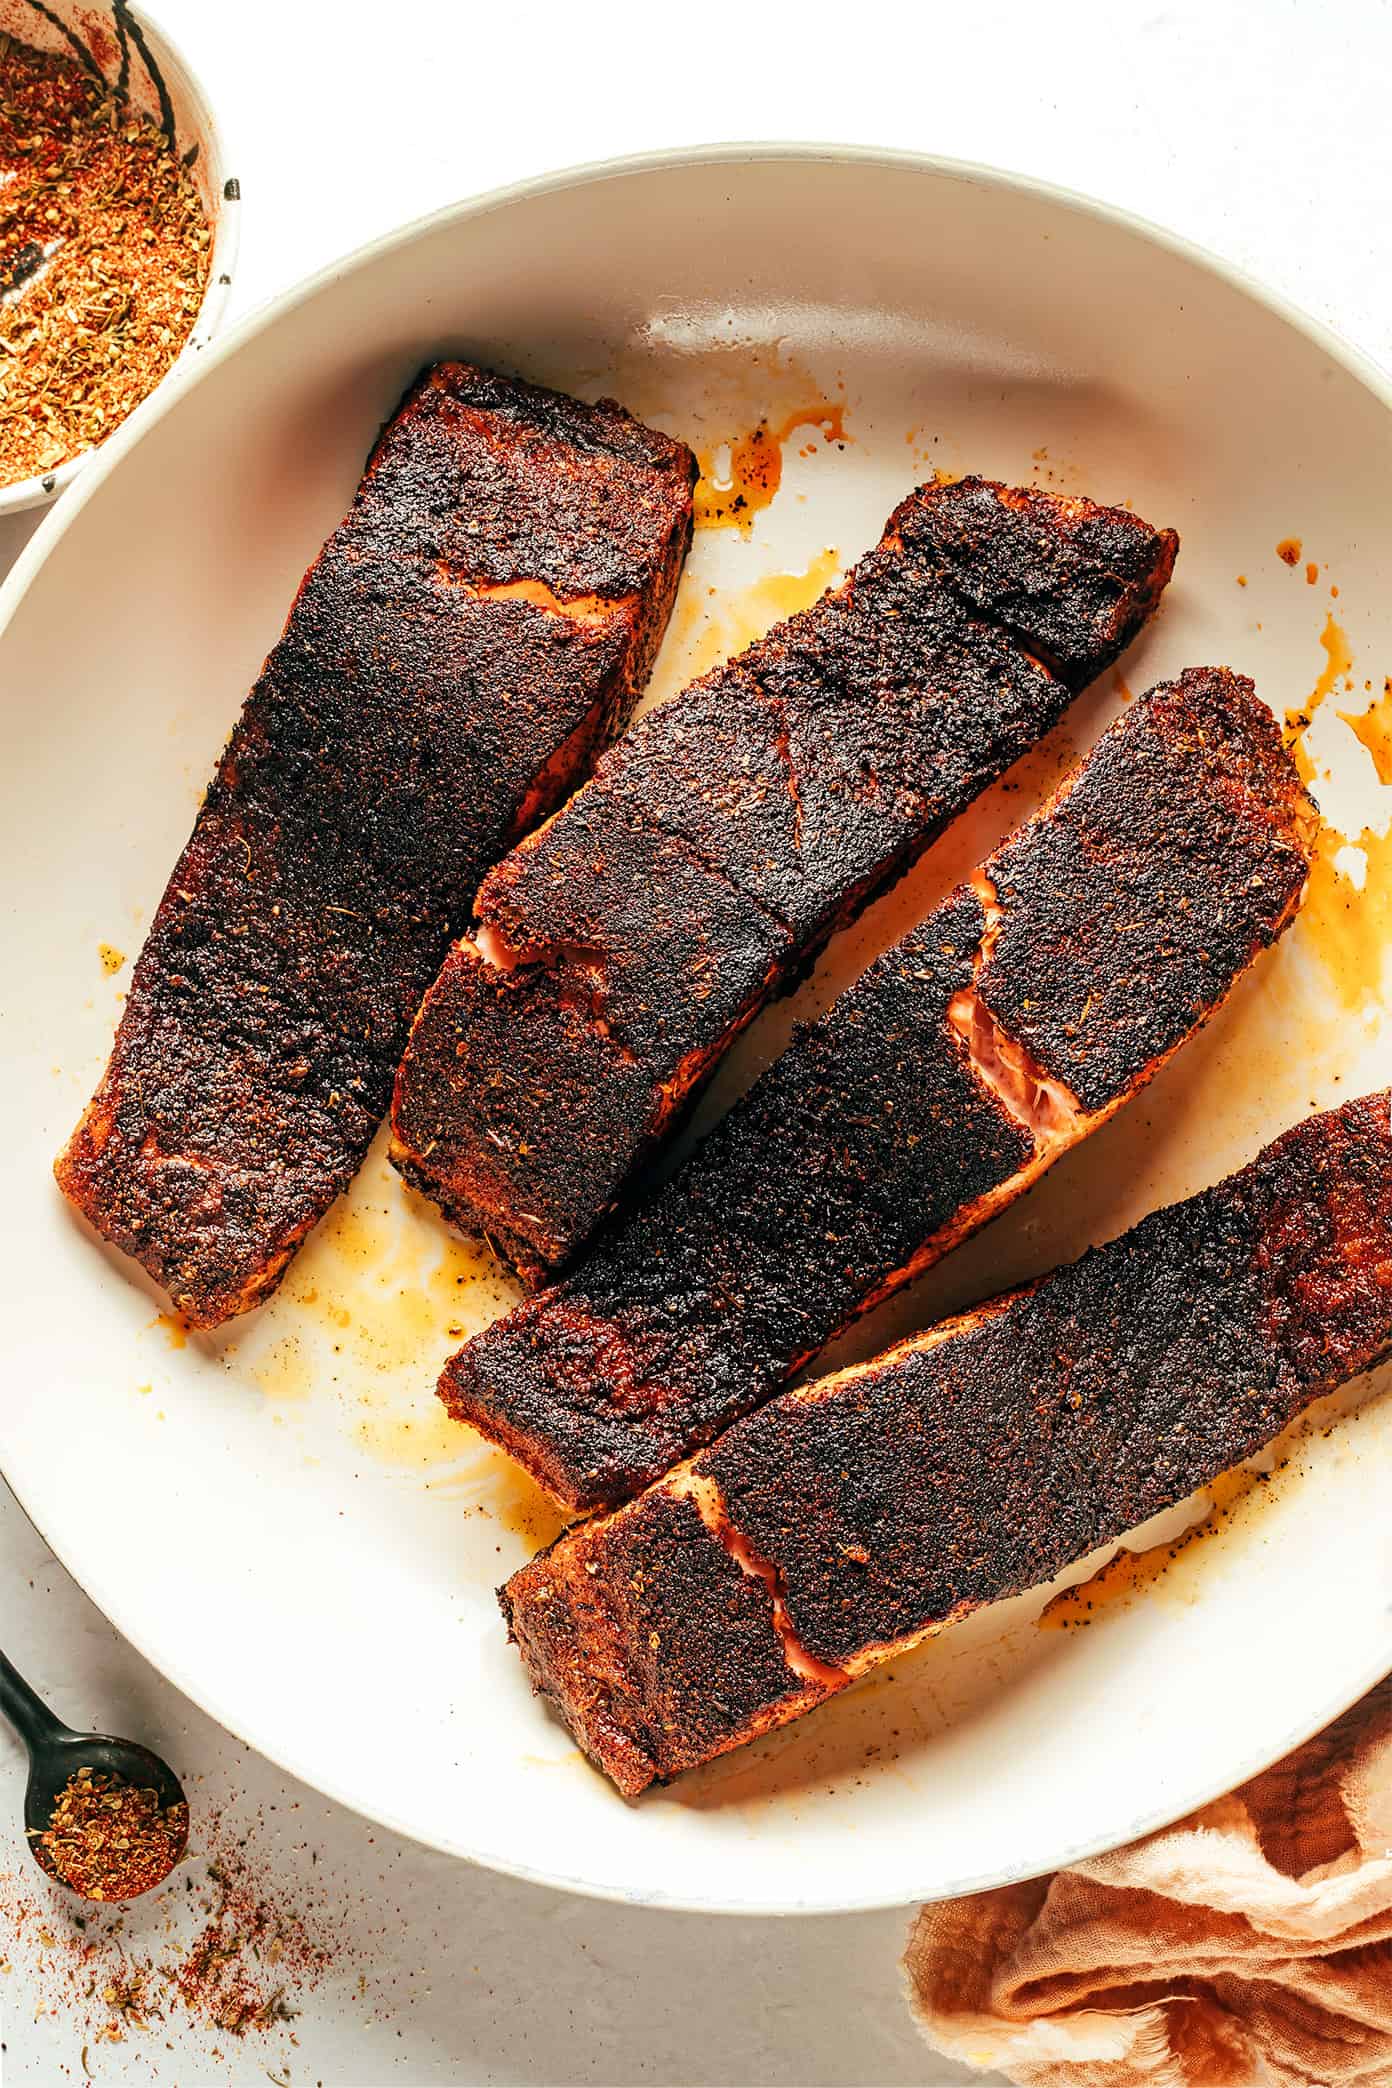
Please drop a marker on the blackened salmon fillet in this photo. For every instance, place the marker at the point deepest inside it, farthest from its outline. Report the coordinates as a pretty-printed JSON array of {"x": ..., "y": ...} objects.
[
  {"x": 476, "y": 628},
  {"x": 1020, "y": 1015},
  {"x": 848, "y": 1520},
  {"x": 619, "y": 951}
]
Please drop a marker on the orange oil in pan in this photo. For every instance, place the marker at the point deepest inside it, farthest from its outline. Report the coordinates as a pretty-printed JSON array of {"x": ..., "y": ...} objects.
[
  {"x": 1373, "y": 729},
  {"x": 1348, "y": 927},
  {"x": 1338, "y": 667},
  {"x": 741, "y": 475},
  {"x": 1346, "y": 919},
  {"x": 1131, "y": 1573}
]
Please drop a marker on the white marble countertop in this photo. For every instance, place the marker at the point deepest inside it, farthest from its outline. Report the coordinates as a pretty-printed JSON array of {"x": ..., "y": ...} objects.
[{"x": 1259, "y": 131}]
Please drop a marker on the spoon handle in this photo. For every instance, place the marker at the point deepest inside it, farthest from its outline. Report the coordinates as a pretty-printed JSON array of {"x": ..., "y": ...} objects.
[{"x": 27, "y": 1713}]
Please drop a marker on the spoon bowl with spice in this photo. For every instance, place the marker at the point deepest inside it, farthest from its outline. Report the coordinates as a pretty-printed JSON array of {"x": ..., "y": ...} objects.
[
  {"x": 118, "y": 235},
  {"x": 105, "y": 1817}
]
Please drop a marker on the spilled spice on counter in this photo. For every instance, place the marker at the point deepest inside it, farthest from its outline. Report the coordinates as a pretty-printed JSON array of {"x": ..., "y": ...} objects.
[
  {"x": 104, "y": 255},
  {"x": 109, "y": 1840},
  {"x": 219, "y": 1953},
  {"x": 238, "y": 1973}
]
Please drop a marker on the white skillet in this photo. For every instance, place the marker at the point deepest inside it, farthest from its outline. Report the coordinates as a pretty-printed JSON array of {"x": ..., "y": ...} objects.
[{"x": 277, "y": 1519}]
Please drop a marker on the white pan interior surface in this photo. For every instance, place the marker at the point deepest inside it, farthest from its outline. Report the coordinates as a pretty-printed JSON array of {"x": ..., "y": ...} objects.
[{"x": 280, "y": 1518}]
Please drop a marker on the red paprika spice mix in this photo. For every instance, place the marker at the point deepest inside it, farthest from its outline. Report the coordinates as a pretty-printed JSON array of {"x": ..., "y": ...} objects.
[
  {"x": 110, "y": 1840},
  {"x": 104, "y": 257}
]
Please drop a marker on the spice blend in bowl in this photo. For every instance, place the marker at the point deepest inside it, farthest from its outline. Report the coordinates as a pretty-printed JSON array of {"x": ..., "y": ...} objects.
[
  {"x": 104, "y": 256},
  {"x": 110, "y": 1840}
]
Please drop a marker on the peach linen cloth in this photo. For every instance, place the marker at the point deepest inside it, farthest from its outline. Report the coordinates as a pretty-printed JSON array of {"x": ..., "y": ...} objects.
[{"x": 1249, "y": 1944}]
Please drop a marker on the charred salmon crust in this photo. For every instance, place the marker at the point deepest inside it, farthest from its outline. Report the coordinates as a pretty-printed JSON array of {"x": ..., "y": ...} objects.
[
  {"x": 479, "y": 624},
  {"x": 619, "y": 951},
  {"x": 846, "y": 1521},
  {"x": 1017, "y": 1017}
]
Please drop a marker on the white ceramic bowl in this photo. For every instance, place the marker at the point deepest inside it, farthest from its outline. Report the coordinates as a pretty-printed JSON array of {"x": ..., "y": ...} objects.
[
  {"x": 126, "y": 46},
  {"x": 279, "y": 1517}
]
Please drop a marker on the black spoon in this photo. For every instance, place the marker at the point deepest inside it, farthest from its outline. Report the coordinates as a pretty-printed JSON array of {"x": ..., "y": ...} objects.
[{"x": 56, "y": 1754}]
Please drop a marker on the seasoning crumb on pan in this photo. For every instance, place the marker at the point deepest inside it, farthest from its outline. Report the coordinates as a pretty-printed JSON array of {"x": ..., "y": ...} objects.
[
  {"x": 104, "y": 256},
  {"x": 110, "y": 1840}
]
